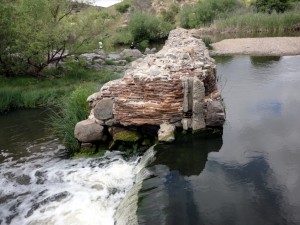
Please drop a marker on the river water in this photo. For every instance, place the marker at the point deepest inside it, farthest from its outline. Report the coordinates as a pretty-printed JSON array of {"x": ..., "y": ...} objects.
[{"x": 250, "y": 175}]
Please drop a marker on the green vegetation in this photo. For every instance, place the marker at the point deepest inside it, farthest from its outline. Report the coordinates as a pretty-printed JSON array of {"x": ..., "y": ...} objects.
[
  {"x": 30, "y": 92},
  {"x": 170, "y": 14},
  {"x": 205, "y": 12},
  {"x": 73, "y": 110},
  {"x": 123, "y": 7},
  {"x": 259, "y": 22},
  {"x": 272, "y": 5},
  {"x": 242, "y": 16},
  {"x": 144, "y": 26},
  {"x": 35, "y": 34}
]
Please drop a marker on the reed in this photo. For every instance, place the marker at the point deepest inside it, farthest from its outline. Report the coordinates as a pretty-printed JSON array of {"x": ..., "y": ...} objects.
[
  {"x": 73, "y": 109},
  {"x": 259, "y": 22}
]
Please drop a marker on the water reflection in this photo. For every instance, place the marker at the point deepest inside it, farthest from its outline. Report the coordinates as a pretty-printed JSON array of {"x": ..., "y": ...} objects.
[
  {"x": 263, "y": 61},
  {"x": 169, "y": 184},
  {"x": 254, "y": 178}
]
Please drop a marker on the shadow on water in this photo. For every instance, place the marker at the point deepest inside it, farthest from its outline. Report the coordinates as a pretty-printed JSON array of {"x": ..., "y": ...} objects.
[{"x": 169, "y": 185}]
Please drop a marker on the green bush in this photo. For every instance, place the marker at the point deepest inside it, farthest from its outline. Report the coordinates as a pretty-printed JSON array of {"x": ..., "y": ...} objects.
[
  {"x": 272, "y": 5},
  {"x": 148, "y": 27},
  {"x": 169, "y": 15},
  {"x": 204, "y": 12},
  {"x": 187, "y": 17},
  {"x": 122, "y": 7}
]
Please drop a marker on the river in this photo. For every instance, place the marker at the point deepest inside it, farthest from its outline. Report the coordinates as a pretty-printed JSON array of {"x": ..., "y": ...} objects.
[{"x": 250, "y": 175}]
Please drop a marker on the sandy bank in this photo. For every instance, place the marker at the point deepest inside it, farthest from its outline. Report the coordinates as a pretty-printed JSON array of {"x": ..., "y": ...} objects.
[{"x": 269, "y": 46}]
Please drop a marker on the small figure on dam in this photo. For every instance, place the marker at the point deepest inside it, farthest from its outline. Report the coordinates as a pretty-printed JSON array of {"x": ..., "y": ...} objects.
[{"x": 132, "y": 46}]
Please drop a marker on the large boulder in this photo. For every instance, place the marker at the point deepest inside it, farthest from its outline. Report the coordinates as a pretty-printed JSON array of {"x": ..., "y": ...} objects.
[
  {"x": 104, "y": 109},
  {"x": 88, "y": 131}
]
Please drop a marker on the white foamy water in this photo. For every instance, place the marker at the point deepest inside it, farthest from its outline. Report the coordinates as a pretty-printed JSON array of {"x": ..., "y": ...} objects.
[{"x": 45, "y": 189}]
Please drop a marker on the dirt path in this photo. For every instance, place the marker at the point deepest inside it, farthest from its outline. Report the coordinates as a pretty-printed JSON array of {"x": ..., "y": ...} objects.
[{"x": 270, "y": 46}]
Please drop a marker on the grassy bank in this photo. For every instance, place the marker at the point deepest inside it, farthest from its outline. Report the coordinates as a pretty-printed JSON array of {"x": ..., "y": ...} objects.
[
  {"x": 30, "y": 92},
  {"x": 259, "y": 22},
  {"x": 73, "y": 109},
  {"x": 66, "y": 92}
]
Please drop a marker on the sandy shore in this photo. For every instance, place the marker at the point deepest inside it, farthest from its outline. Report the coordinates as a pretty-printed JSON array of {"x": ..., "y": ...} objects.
[{"x": 270, "y": 46}]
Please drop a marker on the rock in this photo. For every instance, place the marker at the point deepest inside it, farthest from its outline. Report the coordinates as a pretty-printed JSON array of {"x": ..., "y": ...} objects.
[
  {"x": 88, "y": 131},
  {"x": 113, "y": 56},
  {"x": 215, "y": 116},
  {"x": 186, "y": 123},
  {"x": 150, "y": 51},
  {"x": 122, "y": 134},
  {"x": 166, "y": 133},
  {"x": 147, "y": 51},
  {"x": 121, "y": 62},
  {"x": 91, "y": 57},
  {"x": 104, "y": 109},
  {"x": 132, "y": 53},
  {"x": 111, "y": 122},
  {"x": 198, "y": 119}
]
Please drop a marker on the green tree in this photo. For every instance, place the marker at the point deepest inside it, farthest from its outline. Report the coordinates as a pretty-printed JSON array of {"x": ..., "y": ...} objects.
[
  {"x": 272, "y": 5},
  {"x": 44, "y": 32},
  {"x": 147, "y": 27}
]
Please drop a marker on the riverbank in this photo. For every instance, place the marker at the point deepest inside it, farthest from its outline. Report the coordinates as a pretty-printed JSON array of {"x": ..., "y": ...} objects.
[{"x": 268, "y": 46}]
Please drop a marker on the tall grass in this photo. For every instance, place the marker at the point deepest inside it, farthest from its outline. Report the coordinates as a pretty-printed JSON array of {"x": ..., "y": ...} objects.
[
  {"x": 29, "y": 92},
  {"x": 73, "y": 109},
  {"x": 259, "y": 22}
]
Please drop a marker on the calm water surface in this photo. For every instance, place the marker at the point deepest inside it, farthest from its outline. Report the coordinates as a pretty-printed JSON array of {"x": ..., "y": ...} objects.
[{"x": 249, "y": 176}]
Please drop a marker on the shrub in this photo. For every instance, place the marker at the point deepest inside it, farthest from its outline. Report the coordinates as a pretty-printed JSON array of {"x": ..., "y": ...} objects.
[
  {"x": 272, "y": 5},
  {"x": 169, "y": 15},
  {"x": 122, "y": 7},
  {"x": 148, "y": 27},
  {"x": 205, "y": 12}
]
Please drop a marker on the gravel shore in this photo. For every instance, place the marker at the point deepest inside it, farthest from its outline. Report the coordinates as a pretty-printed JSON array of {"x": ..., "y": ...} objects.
[{"x": 269, "y": 46}]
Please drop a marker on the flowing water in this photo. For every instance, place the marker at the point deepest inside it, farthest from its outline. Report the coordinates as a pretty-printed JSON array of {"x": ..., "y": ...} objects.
[
  {"x": 250, "y": 175},
  {"x": 39, "y": 186}
]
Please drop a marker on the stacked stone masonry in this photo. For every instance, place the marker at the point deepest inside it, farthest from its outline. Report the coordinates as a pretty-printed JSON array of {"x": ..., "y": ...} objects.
[{"x": 175, "y": 86}]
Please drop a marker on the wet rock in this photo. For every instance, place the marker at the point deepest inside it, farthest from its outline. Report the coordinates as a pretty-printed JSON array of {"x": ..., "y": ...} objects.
[
  {"x": 166, "y": 133},
  {"x": 104, "y": 109},
  {"x": 215, "y": 116},
  {"x": 88, "y": 131},
  {"x": 198, "y": 119},
  {"x": 122, "y": 134},
  {"x": 186, "y": 123}
]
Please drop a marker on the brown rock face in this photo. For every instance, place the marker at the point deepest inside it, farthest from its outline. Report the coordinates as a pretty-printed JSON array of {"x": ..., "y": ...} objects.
[{"x": 174, "y": 85}]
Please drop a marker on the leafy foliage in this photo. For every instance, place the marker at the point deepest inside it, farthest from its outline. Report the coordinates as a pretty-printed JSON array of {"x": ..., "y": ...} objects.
[
  {"x": 122, "y": 7},
  {"x": 43, "y": 32},
  {"x": 204, "y": 12},
  {"x": 272, "y": 5},
  {"x": 148, "y": 27},
  {"x": 169, "y": 15}
]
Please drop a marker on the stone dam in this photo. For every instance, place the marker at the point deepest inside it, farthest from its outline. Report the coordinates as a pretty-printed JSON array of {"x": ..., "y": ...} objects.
[{"x": 172, "y": 90}]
